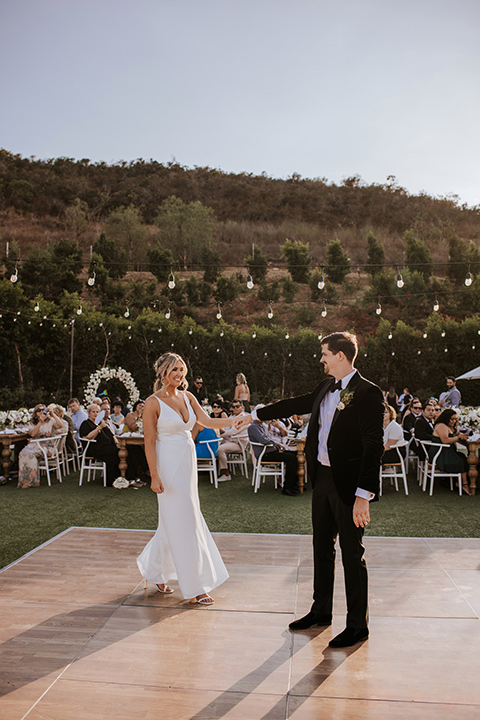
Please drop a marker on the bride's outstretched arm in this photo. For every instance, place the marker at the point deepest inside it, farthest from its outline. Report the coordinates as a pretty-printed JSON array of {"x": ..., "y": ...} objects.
[
  {"x": 150, "y": 417},
  {"x": 205, "y": 419}
]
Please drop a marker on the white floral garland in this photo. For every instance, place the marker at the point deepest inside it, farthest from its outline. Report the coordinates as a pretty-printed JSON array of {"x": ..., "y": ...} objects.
[{"x": 107, "y": 373}]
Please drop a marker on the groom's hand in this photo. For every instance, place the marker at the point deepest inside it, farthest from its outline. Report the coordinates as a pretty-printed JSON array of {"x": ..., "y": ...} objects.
[
  {"x": 242, "y": 421},
  {"x": 361, "y": 512}
]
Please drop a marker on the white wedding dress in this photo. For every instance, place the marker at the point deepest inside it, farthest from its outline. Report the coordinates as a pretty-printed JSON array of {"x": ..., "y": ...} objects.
[{"x": 182, "y": 548}]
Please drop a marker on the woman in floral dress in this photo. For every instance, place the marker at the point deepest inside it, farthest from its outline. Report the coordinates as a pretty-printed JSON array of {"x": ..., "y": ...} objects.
[{"x": 43, "y": 424}]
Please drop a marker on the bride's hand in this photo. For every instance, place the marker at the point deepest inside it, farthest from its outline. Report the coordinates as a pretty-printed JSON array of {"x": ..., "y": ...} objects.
[
  {"x": 157, "y": 485},
  {"x": 242, "y": 421}
]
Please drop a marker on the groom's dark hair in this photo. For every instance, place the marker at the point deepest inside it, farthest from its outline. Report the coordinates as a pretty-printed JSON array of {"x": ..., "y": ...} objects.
[{"x": 344, "y": 341}]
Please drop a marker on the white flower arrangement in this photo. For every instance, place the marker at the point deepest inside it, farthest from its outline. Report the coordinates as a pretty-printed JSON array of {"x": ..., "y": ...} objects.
[
  {"x": 107, "y": 373},
  {"x": 469, "y": 417},
  {"x": 10, "y": 419}
]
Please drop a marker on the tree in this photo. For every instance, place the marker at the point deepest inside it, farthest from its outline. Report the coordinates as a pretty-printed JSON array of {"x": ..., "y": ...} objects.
[
  {"x": 125, "y": 227},
  {"x": 338, "y": 262},
  {"x": 186, "y": 228},
  {"x": 417, "y": 254},
  {"x": 76, "y": 217},
  {"x": 269, "y": 293},
  {"x": 289, "y": 289},
  {"x": 376, "y": 254},
  {"x": 257, "y": 264},
  {"x": 298, "y": 259},
  {"x": 160, "y": 262},
  {"x": 227, "y": 289},
  {"x": 211, "y": 263},
  {"x": 53, "y": 269},
  {"x": 114, "y": 258}
]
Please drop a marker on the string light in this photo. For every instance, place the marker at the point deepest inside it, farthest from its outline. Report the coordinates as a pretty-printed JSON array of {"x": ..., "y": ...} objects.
[
  {"x": 37, "y": 306},
  {"x": 91, "y": 279},
  {"x": 126, "y": 313},
  {"x": 265, "y": 354},
  {"x": 400, "y": 282},
  {"x": 160, "y": 329},
  {"x": 320, "y": 336},
  {"x": 419, "y": 352},
  {"x": 390, "y": 336},
  {"x": 287, "y": 335},
  {"x": 219, "y": 312},
  {"x": 270, "y": 312},
  {"x": 425, "y": 335},
  {"x": 321, "y": 282},
  {"x": 443, "y": 333},
  {"x": 168, "y": 314},
  {"x": 254, "y": 335},
  {"x": 468, "y": 278},
  {"x": 222, "y": 334},
  {"x": 171, "y": 280},
  {"x": 14, "y": 275},
  {"x": 249, "y": 281},
  {"x": 79, "y": 310},
  {"x": 379, "y": 308},
  {"x": 436, "y": 306},
  {"x": 324, "y": 310},
  {"x": 190, "y": 332}
]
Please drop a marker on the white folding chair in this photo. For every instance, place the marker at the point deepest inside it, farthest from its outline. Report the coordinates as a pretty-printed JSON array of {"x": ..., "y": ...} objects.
[
  {"x": 395, "y": 470},
  {"x": 51, "y": 453},
  {"x": 71, "y": 457},
  {"x": 263, "y": 467},
  {"x": 431, "y": 470},
  {"x": 91, "y": 464},
  {"x": 239, "y": 459},
  {"x": 209, "y": 464}
]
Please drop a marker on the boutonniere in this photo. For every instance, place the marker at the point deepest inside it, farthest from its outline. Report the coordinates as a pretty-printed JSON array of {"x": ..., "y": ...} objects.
[{"x": 346, "y": 397}]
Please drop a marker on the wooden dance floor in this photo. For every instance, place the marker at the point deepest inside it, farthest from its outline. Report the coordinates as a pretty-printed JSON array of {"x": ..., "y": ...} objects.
[{"x": 81, "y": 639}]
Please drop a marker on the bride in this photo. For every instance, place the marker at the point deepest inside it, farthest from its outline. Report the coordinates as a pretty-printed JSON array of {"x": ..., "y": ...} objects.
[{"x": 182, "y": 548}]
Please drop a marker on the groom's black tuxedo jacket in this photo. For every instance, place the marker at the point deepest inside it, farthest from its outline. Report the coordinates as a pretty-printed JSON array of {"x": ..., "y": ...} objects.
[{"x": 355, "y": 441}]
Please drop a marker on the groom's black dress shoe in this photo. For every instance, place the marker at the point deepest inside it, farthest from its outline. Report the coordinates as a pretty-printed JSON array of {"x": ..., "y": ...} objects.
[
  {"x": 309, "y": 621},
  {"x": 349, "y": 637}
]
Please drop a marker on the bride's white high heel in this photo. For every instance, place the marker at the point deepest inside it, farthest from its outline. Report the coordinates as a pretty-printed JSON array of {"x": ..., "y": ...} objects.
[{"x": 162, "y": 588}]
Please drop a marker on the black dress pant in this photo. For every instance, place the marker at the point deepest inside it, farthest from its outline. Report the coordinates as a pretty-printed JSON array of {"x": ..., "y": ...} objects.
[
  {"x": 291, "y": 464},
  {"x": 331, "y": 517},
  {"x": 109, "y": 455}
]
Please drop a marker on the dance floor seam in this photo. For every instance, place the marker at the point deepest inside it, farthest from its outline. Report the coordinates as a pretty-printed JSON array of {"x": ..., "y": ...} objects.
[{"x": 81, "y": 638}]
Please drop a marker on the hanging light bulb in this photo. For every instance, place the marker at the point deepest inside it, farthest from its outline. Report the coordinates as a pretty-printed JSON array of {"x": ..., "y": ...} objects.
[
  {"x": 254, "y": 335},
  {"x": 287, "y": 336},
  {"x": 314, "y": 355},
  {"x": 393, "y": 353},
  {"x": 290, "y": 354},
  {"x": 265, "y": 354},
  {"x": 400, "y": 282},
  {"x": 222, "y": 334},
  {"x": 100, "y": 324},
  {"x": 443, "y": 333},
  {"x": 468, "y": 278},
  {"x": 446, "y": 350},
  {"x": 126, "y": 313},
  {"x": 37, "y": 307},
  {"x": 390, "y": 336},
  {"x": 324, "y": 310},
  {"x": 436, "y": 306},
  {"x": 218, "y": 349},
  {"x": 159, "y": 329},
  {"x": 14, "y": 275},
  {"x": 219, "y": 312},
  {"x": 249, "y": 281},
  {"x": 270, "y": 312},
  {"x": 171, "y": 280},
  {"x": 168, "y": 314},
  {"x": 425, "y": 335},
  {"x": 419, "y": 352},
  {"x": 321, "y": 282},
  {"x": 320, "y": 336},
  {"x": 378, "y": 308},
  {"x": 79, "y": 310},
  {"x": 190, "y": 332},
  {"x": 91, "y": 279},
  {"x": 473, "y": 346}
]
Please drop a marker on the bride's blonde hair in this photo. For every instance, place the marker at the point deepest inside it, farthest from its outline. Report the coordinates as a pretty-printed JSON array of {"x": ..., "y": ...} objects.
[{"x": 162, "y": 367}]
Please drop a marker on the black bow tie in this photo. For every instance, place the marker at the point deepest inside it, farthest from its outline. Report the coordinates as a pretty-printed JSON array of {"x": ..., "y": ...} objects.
[{"x": 336, "y": 386}]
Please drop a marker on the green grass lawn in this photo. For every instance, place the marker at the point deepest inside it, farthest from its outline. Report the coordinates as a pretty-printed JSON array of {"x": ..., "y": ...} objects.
[{"x": 30, "y": 517}]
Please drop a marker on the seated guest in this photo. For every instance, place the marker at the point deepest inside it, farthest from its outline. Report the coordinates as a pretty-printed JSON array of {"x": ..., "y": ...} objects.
[
  {"x": 275, "y": 453},
  {"x": 117, "y": 416},
  {"x": 436, "y": 411},
  {"x": 410, "y": 418},
  {"x": 232, "y": 441},
  {"x": 43, "y": 424},
  {"x": 199, "y": 435},
  {"x": 78, "y": 415},
  {"x": 296, "y": 424},
  {"x": 67, "y": 426},
  {"x": 423, "y": 428},
  {"x": 133, "y": 421},
  {"x": 450, "y": 460},
  {"x": 105, "y": 446},
  {"x": 105, "y": 415},
  {"x": 392, "y": 434},
  {"x": 218, "y": 410},
  {"x": 277, "y": 431}
]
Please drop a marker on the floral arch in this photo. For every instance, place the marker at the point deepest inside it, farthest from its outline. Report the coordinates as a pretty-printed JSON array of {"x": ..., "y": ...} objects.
[{"x": 107, "y": 373}]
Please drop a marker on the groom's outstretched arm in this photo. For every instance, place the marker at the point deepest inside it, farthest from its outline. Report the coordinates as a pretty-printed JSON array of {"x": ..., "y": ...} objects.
[{"x": 300, "y": 405}]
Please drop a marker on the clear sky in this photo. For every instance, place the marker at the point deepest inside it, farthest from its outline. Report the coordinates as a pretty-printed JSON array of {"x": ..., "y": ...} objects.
[{"x": 323, "y": 88}]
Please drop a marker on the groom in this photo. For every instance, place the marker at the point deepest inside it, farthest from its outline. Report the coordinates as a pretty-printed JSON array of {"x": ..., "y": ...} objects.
[{"x": 344, "y": 448}]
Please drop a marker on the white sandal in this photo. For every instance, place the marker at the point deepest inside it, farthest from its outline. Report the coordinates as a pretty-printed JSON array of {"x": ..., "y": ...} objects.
[
  {"x": 166, "y": 589},
  {"x": 204, "y": 600}
]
